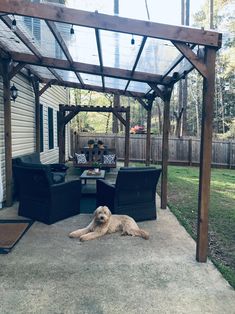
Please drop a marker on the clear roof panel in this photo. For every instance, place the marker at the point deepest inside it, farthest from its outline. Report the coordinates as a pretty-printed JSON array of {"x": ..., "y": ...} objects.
[
  {"x": 82, "y": 44},
  {"x": 115, "y": 83},
  {"x": 167, "y": 11},
  {"x": 184, "y": 64},
  {"x": 138, "y": 87},
  {"x": 117, "y": 49},
  {"x": 156, "y": 56},
  {"x": 42, "y": 72},
  {"x": 90, "y": 79},
  {"x": 68, "y": 76},
  {"x": 40, "y": 36},
  {"x": 10, "y": 41}
]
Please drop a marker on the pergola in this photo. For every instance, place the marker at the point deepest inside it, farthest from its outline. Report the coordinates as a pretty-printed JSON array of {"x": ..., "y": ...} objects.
[{"x": 116, "y": 55}]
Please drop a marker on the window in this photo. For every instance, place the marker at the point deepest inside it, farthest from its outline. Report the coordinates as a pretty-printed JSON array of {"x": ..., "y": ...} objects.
[
  {"x": 50, "y": 129},
  {"x": 41, "y": 129}
]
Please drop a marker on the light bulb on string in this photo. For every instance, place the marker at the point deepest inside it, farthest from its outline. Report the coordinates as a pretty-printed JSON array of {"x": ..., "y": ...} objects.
[
  {"x": 13, "y": 24},
  {"x": 72, "y": 35},
  {"x": 132, "y": 40}
]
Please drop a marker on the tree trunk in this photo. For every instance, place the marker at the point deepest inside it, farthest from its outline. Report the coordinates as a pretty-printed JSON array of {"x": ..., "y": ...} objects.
[
  {"x": 159, "y": 118},
  {"x": 116, "y": 103}
]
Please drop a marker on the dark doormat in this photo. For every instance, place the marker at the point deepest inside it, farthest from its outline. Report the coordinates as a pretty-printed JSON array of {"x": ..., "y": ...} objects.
[
  {"x": 88, "y": 203},
  {"x": 11, "y": 231}
]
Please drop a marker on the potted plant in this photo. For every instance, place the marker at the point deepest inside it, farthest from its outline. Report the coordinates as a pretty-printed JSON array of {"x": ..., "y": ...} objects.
[
  {"x": 96, "y": 165},
  {"x": 91, "y": 143}
]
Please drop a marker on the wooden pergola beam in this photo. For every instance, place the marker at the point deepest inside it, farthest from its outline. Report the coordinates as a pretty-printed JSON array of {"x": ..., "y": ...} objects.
[
  {"x": 63, "y": 119},
  {"x": 16, "y": 69},
  {"x": 192, "y": 58},
  {"x": 73, "y": 110},
  {"x": 91, "y": 108},
  {"x": 89, "y": 68},
  {"x": 111, "y": 23},
  {"x": 45, "y": 87},
  {"x": 95, "y": 88}
]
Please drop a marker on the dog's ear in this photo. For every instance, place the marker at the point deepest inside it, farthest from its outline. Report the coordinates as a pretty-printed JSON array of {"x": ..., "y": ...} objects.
[
  {"x": 107, "y": 210},
  {"x": 95, "y": 212}
]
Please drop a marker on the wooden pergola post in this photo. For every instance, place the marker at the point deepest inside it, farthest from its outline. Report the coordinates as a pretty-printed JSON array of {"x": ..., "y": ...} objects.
[
  {"x": 35, "y": 84},
  {"x": 148, "y": 135},
  {"x": 5, "y": 69},
  {"x": 127, "y": 138},
  {"x": 205, "y": 155},
  {"x": 61, "y": 134},
  {"x": 165, "y": 146}
]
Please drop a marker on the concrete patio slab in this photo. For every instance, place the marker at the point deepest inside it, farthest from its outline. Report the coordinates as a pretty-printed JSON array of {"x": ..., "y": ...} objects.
[{"x": 47, "y": 272}]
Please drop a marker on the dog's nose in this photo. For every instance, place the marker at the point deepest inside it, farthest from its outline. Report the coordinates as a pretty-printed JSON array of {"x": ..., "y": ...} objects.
[{"x": 101, "y": 217}]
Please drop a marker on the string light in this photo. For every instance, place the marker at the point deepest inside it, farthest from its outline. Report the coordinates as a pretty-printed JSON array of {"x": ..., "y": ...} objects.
[
  {"x": 13, "y": 24},
  {"x": 132, "y": 40},
  {"x": 72, "y": 30}
]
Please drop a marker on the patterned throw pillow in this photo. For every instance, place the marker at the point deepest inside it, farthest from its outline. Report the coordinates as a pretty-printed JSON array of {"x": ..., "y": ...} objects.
[
  {"x": 109, "y": 159},
  {"x": 81, "y": 158}
]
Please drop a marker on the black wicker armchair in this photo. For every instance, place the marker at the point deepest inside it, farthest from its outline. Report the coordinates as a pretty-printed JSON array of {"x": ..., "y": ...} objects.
[
  {"x": 58, "y": 169},
  {"x": 134, "y": 193},
  {"x": 40, "y": 199}
]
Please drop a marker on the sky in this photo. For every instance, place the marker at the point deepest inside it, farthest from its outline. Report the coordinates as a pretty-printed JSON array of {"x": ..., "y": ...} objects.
[{"x": 167, "y": 11}]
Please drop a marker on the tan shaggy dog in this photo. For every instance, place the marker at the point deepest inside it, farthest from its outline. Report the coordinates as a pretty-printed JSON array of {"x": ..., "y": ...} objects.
[{"x": 104, "y": 222}]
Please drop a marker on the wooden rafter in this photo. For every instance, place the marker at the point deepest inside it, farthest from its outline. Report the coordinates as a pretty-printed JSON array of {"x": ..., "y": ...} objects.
[
  {"x": 137, "y": 59},
  {"x": 56, "y": 75},
  {"x": 95, "y": 88},
  {"x": 111, "y": 23},
  {"x": 97, "y": 34},
  {"x": 22, "y": 37},
  {"x": 63, "y": 46}
]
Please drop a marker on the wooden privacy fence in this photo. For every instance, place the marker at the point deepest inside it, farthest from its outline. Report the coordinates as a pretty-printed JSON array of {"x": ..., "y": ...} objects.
[{"x": 185, "y": 151}]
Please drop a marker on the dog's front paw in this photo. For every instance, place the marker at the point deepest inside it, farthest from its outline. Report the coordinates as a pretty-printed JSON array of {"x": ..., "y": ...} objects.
[
  {"x": 83, "y": 238},
  {"x": 73, "y": 234}
]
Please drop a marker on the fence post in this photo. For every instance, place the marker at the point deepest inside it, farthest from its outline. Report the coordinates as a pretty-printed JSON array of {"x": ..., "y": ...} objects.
[
  {"x": 190, "y": 152},
  {"x": 230, "y": 154}
]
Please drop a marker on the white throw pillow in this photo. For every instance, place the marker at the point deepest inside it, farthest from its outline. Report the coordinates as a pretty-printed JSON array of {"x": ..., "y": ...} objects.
[
  {"x": 81, "y": 158},
  {"x": 109, "y": 159}
]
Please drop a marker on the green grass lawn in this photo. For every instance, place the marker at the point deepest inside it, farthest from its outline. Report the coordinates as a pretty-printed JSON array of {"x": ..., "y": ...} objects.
[{"x": 183, "y": 202}]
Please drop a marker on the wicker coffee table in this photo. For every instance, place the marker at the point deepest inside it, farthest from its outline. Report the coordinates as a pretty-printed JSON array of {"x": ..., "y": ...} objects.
[{"x": 91, "y": 175}]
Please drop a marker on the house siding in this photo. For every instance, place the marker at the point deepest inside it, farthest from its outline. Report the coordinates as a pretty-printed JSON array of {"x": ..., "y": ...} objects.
[
  {"x": 2, "y": 160},
  {"x": 51, "y": 99},
  {"x": 23, "y": 123}
]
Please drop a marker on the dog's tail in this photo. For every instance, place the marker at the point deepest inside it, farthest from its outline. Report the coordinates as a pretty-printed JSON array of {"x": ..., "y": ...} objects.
[{"x": 143, "y": 234}]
